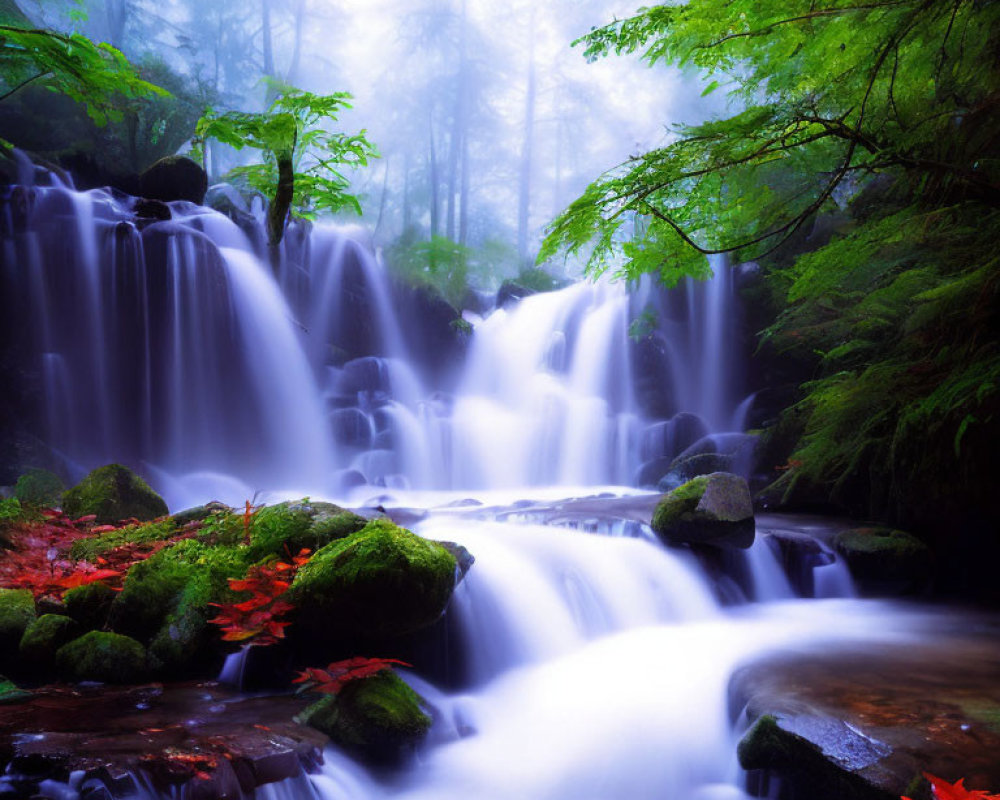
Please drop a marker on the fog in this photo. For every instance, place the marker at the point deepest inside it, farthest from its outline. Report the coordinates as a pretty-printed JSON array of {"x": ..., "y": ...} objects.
[{"x": 487, "y": 120}]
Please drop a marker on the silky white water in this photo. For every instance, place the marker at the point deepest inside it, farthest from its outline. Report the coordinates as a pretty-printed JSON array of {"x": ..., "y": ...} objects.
[{"x": 594, "y": 667}]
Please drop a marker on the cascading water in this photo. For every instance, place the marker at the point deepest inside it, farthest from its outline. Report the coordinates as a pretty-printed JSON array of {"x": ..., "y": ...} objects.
[
  {"x": 168, "y": 345},
  {"x": 593, "y": 667}
]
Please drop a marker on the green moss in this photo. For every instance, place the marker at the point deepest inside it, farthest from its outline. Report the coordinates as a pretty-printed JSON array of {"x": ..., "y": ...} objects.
[
  {"x": 380, "y": 581},
  {"x": 89, "y": 605},
  {"x": 113, "y": 493},
  {"x": 11, "y": 693},
  {"x": 286, "y": 528},
  {"x": 884, "y": 560},
  {"x": 682, "y": 500},
  {"x": 43, "y": 637},
  {"x": 39, "y": 487},
  {"x": 90, "y": 548},
  {"x": 377, "y": 715},
  {"x": 101, "y": 656},
  {"x": 17, "y": 612}
]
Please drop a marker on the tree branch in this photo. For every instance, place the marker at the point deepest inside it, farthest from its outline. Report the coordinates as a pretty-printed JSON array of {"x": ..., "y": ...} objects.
[{"x": 22, "y": 84}]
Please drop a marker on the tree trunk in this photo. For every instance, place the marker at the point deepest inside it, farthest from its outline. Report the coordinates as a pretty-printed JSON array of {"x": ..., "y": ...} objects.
[
  {"x": 435, "y": 200},
  {"x": 282, "y": 201},
  {"x": 458, "y": 127},
  {"x": 300, "y": 15},
  {"x": 268, "y": 53}
]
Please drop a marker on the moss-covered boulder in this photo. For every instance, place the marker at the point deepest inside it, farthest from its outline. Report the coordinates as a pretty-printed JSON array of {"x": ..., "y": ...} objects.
[
  {"x": 90, "y": 605},
  {"x": 380, "y": 582},
  {"x": 43, "y": 637},
  {"x": 39, "y": 487},
  {"x": 199, "y": 513},
  {"x": 11, "y": 693},
  {"x": 102, "y": 656},
  {"x": 885, "y": 561},
  {"x": 377, "y": 717},
  {"x": 113, "y": 493},
  {"x": 165, "y": 602},
  {"x": 17, "y": 612},
  {"x": 713, "y": 509}
]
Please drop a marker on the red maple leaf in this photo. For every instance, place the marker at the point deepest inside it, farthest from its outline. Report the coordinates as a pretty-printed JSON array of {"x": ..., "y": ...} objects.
[{"x": 943, "y": 790}]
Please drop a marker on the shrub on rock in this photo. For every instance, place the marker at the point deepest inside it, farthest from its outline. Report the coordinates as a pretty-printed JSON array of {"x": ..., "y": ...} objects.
[
  {"x": 113, "y": 493},
  {"x": 39, "y": 487}
]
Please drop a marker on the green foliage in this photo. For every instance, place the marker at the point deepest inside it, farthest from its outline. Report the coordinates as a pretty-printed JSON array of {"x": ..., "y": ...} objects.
[
  {"x": 439, "y": 264},
  {"x": 39, "y": 487},
  {"x": 90, "y": 548},
  {"x": 96, "y": 75},
  {"x": 906, "y": 344},
  {"x": 827, "y": 93},
  {"x": 291, "y": 136}
]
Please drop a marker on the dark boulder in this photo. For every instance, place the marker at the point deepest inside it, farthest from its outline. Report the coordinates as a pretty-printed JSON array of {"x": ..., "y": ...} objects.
[
  {"x": 113, "y": 493},
  {"x": 885, "y": 561},
  {"x": 174, "y": 178}
]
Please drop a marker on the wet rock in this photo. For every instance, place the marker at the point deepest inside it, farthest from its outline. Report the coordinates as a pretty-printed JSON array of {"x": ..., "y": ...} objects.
[
  {"x": 681, "y": 470},
  {"x": 712, "y": 509},
  {"x": 113, "y": 493},
  {"x": 152, "y": 209},
  {"x": 111, "y": 733},
  {"x": 351, "y": 428},
  {"x": 885, "y": 561},
  {"x": 11, "y": 693},
  {"x": 463, "y": 558},
  {"x": 377, "y": 717},
  {"x": 102, "y": 656},
  {"x": 174, "y": 178},
  {"x": 862, "y": 725}
]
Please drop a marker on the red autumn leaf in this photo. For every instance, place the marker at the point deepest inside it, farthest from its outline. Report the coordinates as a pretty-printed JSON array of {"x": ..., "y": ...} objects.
[
  {"x": 942, "y": 790},
  {"x": 338, "y": 673}
]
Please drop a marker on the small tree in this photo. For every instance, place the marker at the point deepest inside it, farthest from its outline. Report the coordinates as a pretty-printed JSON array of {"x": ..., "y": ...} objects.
[{"x": 301, "y": 168}]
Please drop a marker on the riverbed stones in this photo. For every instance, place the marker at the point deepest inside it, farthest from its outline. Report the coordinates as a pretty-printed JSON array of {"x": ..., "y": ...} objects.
[
  {"x": 113, "y": 493},
  {"x": 713, "y": 509}
]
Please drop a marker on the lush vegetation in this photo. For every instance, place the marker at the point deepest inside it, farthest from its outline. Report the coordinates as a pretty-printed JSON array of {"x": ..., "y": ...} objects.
[{"x": 859, "y": 167}]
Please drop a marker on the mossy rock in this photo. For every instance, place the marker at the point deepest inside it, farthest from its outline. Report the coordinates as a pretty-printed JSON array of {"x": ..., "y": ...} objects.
[
  {"x": 43, "y": 637},
  {"x": 11, "y": 693},
  {"x": 91, "y": 547},
  {"x": 713, "y": 509},
  {"x": 885, "y": 561},
  {"x": 377, "y": 717},
  {"x": 174, "y": 178},
  {"x": 286, "y": 528},
  {"x": 17, "y": 612},
  {"x": 165, "y": 601},
  {"x": 89, "y": 605},
  {"x": 113, "y": 493},
  {"x": 199, "y": 513},
  {"x": 102, "y": 656},
  {"x": 39, "y": 488},
  {"x": 380, "y": 582}
]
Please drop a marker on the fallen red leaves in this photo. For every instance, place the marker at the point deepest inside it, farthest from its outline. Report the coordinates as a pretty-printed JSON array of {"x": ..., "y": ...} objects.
[
  {"x": 39, "y": 559},
  {"x": 942, "y": 790},
  {"x": 332, "y": 679}
]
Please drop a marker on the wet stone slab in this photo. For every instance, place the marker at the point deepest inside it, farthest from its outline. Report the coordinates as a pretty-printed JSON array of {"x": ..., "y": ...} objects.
[
  {"x": 202, "y": 738},
  {"x": 863, "y": 724}
]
